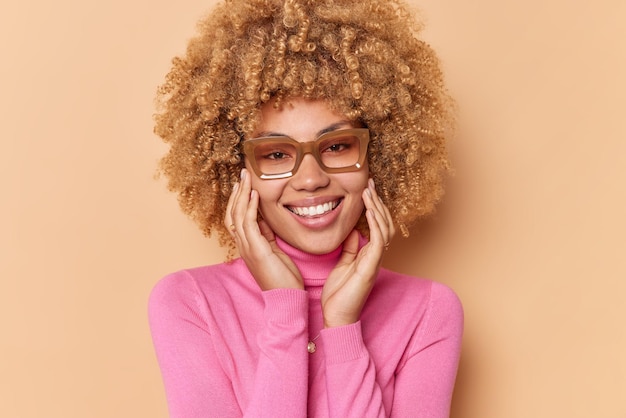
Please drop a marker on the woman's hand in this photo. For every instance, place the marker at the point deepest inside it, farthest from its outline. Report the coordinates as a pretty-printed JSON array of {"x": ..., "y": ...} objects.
[
  {"x": 350, "y": 282},
  {"x": 256, "y": 241}
]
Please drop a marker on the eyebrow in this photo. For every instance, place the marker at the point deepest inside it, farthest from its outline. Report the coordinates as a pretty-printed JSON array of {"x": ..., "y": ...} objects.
[{"x": 330, "y": 128}]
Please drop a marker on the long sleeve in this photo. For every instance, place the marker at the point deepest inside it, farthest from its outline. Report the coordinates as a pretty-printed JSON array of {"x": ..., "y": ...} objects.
[
  {"x": 424, "y": 379},
  {"x": 425, "y": 383},
  {"x": 195, "y": 382},
  {"x": 216, "y": 361},
  {"x": 280, "y": 384},
  {"x": 350, "y": 375}
]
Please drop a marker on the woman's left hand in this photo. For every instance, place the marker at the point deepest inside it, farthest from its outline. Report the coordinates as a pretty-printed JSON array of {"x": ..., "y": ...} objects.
[{"x": 350, "y": 282}]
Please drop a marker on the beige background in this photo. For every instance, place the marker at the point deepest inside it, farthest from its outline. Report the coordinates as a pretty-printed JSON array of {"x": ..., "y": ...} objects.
[{"x": 531, "y": 234}]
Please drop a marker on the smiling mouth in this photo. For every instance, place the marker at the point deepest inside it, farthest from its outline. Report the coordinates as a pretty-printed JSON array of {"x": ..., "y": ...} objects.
[{"x": 317, "y": 210}]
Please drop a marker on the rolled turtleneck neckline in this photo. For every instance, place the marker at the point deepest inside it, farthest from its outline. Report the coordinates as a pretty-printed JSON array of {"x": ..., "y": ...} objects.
[{"x": 314, "y": 268}]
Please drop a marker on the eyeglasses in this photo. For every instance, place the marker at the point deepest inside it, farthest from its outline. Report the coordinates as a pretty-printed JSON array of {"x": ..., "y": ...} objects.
[{"x": 277, "y": 157}]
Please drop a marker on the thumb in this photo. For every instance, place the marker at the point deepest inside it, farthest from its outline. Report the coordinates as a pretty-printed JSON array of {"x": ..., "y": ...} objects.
[
  {"x": 350, "y": 248},
  {"x": 267, "y": 232}
]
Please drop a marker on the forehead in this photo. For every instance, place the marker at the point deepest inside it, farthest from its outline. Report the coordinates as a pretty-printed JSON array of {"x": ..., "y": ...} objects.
[{"x": 301, "y": 119}]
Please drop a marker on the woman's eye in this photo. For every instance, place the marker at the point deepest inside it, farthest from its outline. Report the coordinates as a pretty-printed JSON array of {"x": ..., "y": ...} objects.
[
  {"x": 276, "y": 156},
  {"x": 336, "y": 148}
]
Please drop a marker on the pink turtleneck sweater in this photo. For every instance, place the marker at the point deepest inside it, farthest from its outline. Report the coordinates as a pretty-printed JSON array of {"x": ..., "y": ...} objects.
[{"x": 228, "y": 349}]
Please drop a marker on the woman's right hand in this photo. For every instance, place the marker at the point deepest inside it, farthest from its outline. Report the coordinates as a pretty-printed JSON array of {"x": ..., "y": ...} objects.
[{"x": 256, "y": 242}]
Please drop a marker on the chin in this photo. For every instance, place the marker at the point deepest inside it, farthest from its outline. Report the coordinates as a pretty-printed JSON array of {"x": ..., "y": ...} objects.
[{"x": 318, "y": 246}]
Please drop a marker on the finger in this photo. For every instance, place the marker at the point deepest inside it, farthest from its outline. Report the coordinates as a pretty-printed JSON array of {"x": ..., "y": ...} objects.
[
  {"x": 350, "y": 248},
  {"x": 365, "y": 263},
  {"x": 228, "y": 217},
  {"x": 377, "y": 202},
  {"x": 384, "y": 218},
  {"x": 241, "y": 203},
  {"x": 266, "y": 231},
  {"x": 378, "y": 238},
  {"x": 392, "y": 228},
  {"x": 376, "y": 218},
  {"x": 248, "y": 227},
  {"x": 383, "y": 215}
]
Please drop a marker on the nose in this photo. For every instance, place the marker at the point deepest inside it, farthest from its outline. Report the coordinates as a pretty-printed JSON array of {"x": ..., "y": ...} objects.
[{"x": 310, "y": 176}]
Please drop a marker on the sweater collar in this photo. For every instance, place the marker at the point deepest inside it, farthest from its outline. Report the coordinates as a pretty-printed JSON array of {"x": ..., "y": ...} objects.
[{"x": 314, "y": 268}]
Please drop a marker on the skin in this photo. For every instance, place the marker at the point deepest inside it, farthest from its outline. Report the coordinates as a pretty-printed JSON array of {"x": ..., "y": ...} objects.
[{"x": 350, "y": 282}]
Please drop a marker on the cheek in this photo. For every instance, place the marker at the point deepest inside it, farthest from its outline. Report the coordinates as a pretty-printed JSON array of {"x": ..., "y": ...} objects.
[
  {"x": 357, "y": 184},
  {"x": 269, "y": 191},
  {"x": 358, "y": 181}
]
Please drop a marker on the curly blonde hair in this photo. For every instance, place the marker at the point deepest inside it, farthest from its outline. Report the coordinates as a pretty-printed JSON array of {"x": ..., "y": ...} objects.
[{"x": 362, "y": 57}]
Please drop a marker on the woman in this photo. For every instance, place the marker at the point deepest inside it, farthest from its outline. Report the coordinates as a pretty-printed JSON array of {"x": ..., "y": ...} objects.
[{"x": 301, "y": 132}]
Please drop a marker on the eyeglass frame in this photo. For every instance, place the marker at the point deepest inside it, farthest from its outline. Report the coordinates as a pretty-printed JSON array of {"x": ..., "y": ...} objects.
[{"x": 309, "y": 147}]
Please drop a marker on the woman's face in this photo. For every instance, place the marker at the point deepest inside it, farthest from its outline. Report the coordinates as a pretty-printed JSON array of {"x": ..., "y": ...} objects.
[{"x": 336, "y": 196}]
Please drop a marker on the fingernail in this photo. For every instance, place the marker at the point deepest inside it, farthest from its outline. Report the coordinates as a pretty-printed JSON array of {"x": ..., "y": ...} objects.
[
  {"x": 243, "y": 173},
  {"x": 370, "y": 182},
  {"x": 369, "y": 192}
]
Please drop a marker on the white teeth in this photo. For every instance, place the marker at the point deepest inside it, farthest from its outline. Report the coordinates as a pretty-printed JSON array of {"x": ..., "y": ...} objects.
[{"x": 314, "y": 210}]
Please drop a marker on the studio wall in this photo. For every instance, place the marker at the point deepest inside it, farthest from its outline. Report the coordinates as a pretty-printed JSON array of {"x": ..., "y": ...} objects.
[{"x": 530, "y": 233}]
